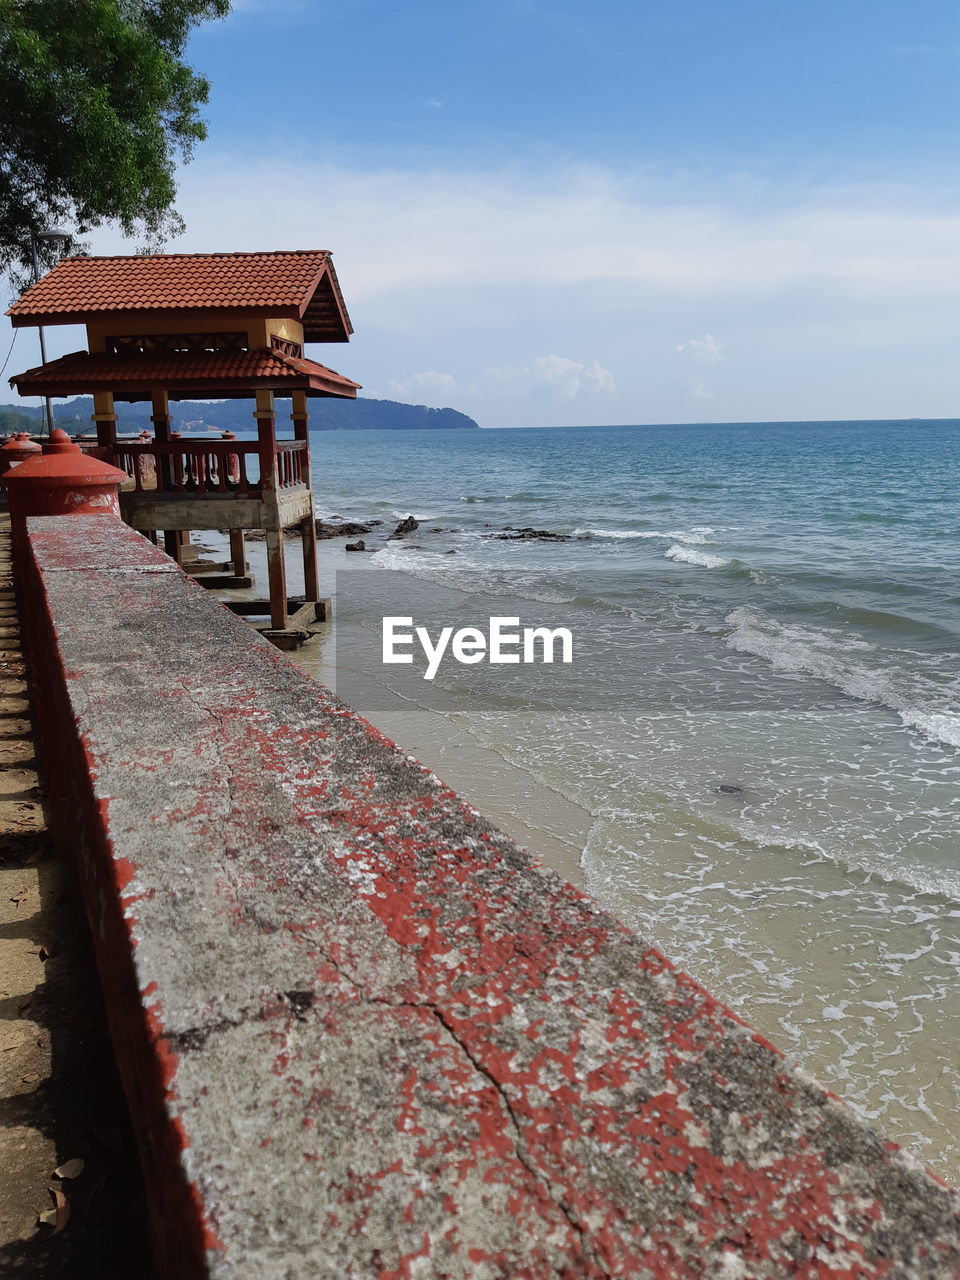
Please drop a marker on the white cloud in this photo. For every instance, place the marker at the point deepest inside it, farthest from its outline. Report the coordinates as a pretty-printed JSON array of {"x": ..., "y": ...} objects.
[
  {"x": 564, "y": 377},
  {"x": 706, "y": 349},
  {"x": 427, "y": 382},
  {"x": 434, "y": 102},
  {"x": 414, "y": 229},
  {"x": 700, "y": 392}
]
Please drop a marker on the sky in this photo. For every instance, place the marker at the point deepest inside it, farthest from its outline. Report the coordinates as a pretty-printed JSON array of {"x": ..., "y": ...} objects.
[{"x": 555, "y": 212}]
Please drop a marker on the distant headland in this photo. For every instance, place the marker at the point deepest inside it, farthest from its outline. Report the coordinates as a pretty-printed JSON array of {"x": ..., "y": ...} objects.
[{"x": 237, "y": 415}]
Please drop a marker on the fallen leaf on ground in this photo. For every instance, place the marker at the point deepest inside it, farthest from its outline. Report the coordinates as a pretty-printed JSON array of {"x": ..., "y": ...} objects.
[
  {"x": 29, "y": 1079},
  {"x": 69, "y": 1169},
  {"x": 20, "y": 896},
  {"x": 59, "y": 1216}
]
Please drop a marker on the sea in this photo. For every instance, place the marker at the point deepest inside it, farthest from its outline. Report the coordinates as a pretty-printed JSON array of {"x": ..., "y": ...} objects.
[{"x": 762, "y": 719}]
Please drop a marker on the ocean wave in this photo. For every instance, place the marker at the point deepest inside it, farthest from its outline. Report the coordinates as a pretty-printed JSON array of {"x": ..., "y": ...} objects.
[
  {"x": 421, "y": 517},
  {"x": 619, "y": 534},
  {"x": 842, "y": 662},
  {"x": 526, "y": 496},
  {"x": 469, "y": 577},
  {"x": 688, "y": 555},
  {"x": 697, "y": 536}
]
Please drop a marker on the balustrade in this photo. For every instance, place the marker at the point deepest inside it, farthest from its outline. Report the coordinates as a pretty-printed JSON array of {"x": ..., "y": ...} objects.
[{"x": 208, "y": 466}]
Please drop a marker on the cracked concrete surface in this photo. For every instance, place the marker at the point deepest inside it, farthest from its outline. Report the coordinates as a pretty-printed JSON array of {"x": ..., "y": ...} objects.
[{"x": 368, "y": 1036}]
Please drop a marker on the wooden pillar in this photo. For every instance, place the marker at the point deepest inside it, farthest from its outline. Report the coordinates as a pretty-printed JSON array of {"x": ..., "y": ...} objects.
[
  {"x": 300, "y": 415},
  {"x": 276, "y": 570},
  {"x": 161, "y": 416},
  {"x": 161, "y": 431},
  {"x": 308, "y": 530},
  {"x": 105, "y": 417},
  {"x": 267, "y": 437},
  {"x": 238, "y": 553}
]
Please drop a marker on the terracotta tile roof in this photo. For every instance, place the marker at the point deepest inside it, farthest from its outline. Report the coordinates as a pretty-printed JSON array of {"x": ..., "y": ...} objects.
[
  {"x": 218, "y": 374},
  {"x": 281, "y": 282}
]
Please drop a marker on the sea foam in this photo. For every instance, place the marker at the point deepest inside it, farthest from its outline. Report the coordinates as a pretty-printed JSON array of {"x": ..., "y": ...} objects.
[
  {"x": 689, "y": 555},
  {"x": 697, "y": 536},
  {"x": 843, "y": 661}
]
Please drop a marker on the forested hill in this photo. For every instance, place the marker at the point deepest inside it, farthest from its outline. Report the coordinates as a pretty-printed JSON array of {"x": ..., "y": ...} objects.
[{"x": 237, "y": 415}]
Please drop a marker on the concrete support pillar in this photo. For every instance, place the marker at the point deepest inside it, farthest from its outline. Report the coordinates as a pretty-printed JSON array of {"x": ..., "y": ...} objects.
[
  {"x": 238, "y": 554},
  {"x": 308, "y": 541},
  {"x": 265, "y": 415},
  {"x": 277, "y": 573},
  {"x": 161, "y": 430},
  {"x": 308, "y": 530}
]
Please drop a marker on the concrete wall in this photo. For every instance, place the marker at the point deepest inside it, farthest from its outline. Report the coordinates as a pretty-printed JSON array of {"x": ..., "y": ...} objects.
[{"x": 362, "y": 1034}]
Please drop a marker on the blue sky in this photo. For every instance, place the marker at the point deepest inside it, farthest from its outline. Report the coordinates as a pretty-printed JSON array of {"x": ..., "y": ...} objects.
[{"x": 551, "y": 212}]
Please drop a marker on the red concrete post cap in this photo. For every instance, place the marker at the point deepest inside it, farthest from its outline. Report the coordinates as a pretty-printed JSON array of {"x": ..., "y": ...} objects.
[
  {"x": 60, "y": 442},
  {"x": 66, "y": 468},
  {"x": 22, "y": 443},
  {"x": 15, "y": 450}
]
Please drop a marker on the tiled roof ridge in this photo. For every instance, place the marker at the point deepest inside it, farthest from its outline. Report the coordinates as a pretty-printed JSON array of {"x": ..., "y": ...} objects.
[{"x": 219, "y": 253}]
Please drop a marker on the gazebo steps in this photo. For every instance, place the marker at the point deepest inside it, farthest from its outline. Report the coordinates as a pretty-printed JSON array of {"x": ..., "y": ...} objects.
[{"x": 304, "y": 618}]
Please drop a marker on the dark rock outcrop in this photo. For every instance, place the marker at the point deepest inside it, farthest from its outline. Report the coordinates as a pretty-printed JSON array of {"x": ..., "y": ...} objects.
[
  {"x": 344, "y": 529},
  {"x": 404, "y": 527},
  {"x": 529, "y": 534}
]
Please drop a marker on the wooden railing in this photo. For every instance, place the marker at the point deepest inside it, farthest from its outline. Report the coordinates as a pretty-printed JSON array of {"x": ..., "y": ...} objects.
[{"x": 228, "y": 467}]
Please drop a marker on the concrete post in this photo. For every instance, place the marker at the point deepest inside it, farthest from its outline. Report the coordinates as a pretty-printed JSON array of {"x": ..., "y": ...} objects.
[
  {"x": 232, "y": 463},
  {"x": 16, "y": 450},
  {"x": 61, "y": 481}
]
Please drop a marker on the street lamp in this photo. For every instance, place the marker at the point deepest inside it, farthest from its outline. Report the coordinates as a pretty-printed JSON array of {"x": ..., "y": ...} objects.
[{"x": 51, "y": 234}]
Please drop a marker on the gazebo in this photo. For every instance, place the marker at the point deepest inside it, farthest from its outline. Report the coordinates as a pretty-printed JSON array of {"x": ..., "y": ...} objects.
[{"x": 211, "y": 326}]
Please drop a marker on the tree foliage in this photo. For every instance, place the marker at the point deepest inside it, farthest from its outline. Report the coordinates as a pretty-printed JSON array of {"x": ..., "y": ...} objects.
[{"x": 96, "y": 108}]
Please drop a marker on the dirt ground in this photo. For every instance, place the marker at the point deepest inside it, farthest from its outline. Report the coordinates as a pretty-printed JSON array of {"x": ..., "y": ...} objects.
[{"x": 60, "y": 1100}]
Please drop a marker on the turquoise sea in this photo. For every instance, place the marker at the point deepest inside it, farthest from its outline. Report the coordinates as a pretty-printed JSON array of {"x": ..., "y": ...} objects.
[{"x": 769, "y": 754}]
